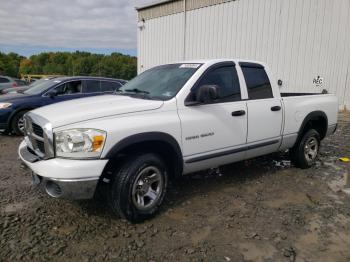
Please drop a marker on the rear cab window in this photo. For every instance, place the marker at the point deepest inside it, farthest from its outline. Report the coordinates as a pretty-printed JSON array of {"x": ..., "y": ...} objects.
[{"x": 257, "y": 81}]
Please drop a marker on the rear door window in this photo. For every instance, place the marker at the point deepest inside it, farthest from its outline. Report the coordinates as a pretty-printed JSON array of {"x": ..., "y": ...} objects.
[
  {"x": 258, "y": 83},
  {"x": 93, "y": 86},
  {"x": 107, "y": 86}
]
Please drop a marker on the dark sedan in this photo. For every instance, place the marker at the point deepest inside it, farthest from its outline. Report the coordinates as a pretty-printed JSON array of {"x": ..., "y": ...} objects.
[{"x": 49, "y": 91}]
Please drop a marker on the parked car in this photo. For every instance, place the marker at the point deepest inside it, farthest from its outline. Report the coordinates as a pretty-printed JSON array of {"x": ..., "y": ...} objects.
[
  {"x": 21, "y": 82},
  {"x": 21, "y": 89},
  {"x": 169, "y": 121},
  {"x": 14, "y": 90},
  {"x": 50, "y": 91},
  {"x": 9, "y": 82}
]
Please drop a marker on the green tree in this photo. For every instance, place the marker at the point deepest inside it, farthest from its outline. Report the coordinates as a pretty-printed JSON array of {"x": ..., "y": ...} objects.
[
  {"x": 64, "y": 63},
  {"x": 9, "y": 64}
]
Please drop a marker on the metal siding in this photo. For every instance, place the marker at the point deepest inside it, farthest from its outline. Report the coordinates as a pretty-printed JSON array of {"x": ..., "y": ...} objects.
[
  {"x": 160, "y": 10},
  {"x": 160, "y": 41},
  {"x": 173, "y": 7},
  {"x": 195, "y": 4},
  {"x": 299, "y": 39},
  {"x": 346, "y": 60}
]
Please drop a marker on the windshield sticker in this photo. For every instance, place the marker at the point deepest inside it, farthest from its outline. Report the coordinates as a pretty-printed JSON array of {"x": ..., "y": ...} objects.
[
  {"x": 167, "y": 94},
  {"x": 189, "y": 65}
]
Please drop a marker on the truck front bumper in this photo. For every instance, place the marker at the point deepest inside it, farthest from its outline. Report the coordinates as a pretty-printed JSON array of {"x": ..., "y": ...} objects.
[{"x": 64, "y": 178}]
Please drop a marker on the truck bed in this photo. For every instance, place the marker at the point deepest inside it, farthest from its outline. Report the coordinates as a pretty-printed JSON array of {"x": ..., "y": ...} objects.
[{"x": 298, "y": 105}]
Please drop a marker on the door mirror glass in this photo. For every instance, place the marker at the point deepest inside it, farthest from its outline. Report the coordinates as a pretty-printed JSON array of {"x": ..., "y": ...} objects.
[{"x": 207, "y": 94}]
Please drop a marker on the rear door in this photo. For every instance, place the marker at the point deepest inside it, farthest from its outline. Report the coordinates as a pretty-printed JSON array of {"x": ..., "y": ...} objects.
[{"x": 264, "y": 110}]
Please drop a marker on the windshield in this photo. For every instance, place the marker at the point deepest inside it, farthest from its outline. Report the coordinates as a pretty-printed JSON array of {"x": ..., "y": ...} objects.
[
  {"x": 161, "y": 82},
  {"x": 40, "y": 86}
]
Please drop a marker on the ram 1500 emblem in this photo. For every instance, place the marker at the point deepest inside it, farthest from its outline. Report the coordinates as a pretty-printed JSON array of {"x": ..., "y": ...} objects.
[{"x": 200, "y": 136}]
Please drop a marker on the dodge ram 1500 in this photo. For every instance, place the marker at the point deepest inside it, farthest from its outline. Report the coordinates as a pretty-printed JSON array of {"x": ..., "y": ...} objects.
[{"x": 169, "y": 121}]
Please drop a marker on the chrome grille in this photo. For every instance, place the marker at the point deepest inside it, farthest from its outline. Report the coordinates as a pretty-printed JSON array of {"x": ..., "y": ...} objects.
[
  {"x": 37, "y": 130},
  {"x": 41, "y": 146},
  {"x": 39, "y": 136}
]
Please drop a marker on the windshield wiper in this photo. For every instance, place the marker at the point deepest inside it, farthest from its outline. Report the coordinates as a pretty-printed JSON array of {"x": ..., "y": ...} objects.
[{"x": 138, "y": 91}]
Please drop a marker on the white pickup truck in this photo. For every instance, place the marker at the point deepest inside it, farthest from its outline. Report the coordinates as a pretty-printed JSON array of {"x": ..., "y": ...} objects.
[{"x": 169, "y": 121}]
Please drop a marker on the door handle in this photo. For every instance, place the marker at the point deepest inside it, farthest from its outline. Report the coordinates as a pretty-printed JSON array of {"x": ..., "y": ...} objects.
[
  {"x": 276, "y": 108},
  {"x": 238, "y": 113}
]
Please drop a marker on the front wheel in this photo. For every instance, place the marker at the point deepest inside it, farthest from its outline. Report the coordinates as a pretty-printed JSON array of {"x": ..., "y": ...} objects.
[
  {"x": 305, "y": 152},
  {"x": 17, "y": 124},
  {"x": 138, "y": 188}
]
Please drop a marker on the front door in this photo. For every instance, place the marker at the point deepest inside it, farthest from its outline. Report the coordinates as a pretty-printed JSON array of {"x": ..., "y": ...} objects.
[
  {"x": 64, "y": 92},
  {"x": 212, "y": 133}
]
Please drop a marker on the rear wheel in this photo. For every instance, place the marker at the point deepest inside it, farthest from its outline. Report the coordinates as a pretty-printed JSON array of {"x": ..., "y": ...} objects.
[
  {"x": 138, "y": 187},
  {"x": 305, "y": 152},
  {"x": 17, "y": 124}
]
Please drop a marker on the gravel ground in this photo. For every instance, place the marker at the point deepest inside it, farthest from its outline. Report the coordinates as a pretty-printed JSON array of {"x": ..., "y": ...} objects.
[{"x": 258, "y": 210}]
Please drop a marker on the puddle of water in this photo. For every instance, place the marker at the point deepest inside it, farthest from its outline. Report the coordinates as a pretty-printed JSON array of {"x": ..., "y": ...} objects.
[{"x": 332, "y": 165}]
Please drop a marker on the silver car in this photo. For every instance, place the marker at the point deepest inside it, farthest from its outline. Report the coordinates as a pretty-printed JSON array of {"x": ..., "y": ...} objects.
[{"x": 7, "y": 82}]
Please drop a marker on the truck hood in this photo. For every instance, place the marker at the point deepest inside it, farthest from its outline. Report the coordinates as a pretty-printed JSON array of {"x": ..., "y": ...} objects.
[{"x": 84, "y": 109}]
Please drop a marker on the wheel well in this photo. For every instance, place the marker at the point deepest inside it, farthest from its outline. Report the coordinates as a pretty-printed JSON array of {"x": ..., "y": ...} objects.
[
  {"x": 317, "y": 121},
  {"x": 165, "y": 150},
  {"x": 14, "y": 114}
]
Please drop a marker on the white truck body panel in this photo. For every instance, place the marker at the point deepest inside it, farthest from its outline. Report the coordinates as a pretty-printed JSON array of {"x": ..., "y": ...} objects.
[
  {"x": 95, "y": 108},
  {"x": 264, "y": 124},
  {"x": 297, "y": 108},
  {"x": 208, "y": 135}
]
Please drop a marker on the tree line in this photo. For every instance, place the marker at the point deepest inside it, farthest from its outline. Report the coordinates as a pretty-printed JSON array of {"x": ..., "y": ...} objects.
[{"x": 115, "y": 65}]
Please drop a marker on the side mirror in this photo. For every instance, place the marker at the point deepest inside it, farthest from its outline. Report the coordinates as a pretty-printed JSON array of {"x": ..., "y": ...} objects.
[
  {"x": 52, "y": 93},
  {"x": 207, "y": 93}
]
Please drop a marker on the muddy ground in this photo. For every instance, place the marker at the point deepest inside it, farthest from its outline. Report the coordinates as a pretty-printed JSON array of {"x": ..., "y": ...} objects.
[{"x": 258, "y": 210}]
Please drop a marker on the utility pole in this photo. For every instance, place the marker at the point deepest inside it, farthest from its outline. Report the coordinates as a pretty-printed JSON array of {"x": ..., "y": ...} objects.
[{"x": 184, "y": 39}]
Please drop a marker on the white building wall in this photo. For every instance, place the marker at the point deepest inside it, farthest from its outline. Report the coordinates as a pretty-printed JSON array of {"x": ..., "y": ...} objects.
[
  {"x": 160, "y": 40},
  {"x": 299, "y": 39}
]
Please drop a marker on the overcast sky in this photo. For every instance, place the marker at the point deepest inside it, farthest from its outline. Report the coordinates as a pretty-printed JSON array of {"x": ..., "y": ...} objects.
[{"x": 104, "y": 26}]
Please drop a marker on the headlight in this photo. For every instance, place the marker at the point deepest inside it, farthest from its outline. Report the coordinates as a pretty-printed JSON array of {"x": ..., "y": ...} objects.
[
  {"x": 80, "y": 143},
  {"x": 5, "y": 105}
]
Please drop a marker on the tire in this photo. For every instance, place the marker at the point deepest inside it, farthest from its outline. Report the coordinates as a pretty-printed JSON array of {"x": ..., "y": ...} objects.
[
  {"x": 138, "y": 188},
  {"x": 17, "y": 124},
  {"x": 305, "y": 151}
]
